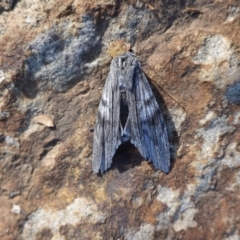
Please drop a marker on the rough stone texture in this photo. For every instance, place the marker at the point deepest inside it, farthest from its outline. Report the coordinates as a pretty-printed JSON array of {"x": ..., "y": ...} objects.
[
  {"x": 6, "y": 5},
  {"x": 54, "y": 62}
]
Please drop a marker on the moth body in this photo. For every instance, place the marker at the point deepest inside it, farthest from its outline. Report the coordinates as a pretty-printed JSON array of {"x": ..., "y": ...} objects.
[{"x": 128, "y": 111}]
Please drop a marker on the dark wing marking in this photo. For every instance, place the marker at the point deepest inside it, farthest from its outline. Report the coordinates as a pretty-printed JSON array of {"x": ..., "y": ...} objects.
[
  {"x": 106, "y": 134},
  {"x": 148, "y": 130}
]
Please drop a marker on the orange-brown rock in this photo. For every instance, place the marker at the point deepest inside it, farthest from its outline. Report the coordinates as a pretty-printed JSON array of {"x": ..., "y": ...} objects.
[{"x": 54, "y": 61}]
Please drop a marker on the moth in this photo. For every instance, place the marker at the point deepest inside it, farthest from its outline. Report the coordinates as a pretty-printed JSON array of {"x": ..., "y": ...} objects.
[{"x": 129, "y": 112}]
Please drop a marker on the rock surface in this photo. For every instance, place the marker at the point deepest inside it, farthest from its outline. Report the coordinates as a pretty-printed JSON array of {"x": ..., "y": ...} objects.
[{"x": 54, "y": 63}]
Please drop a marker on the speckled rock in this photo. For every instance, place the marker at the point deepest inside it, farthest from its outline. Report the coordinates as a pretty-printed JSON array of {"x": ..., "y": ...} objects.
[
  {"x": 6, "y": 5},
  {"x": 53, "y": 63}
]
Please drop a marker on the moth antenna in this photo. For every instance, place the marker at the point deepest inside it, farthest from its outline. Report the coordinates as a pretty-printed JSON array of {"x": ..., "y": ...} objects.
[{"x": 162, "y": 87}]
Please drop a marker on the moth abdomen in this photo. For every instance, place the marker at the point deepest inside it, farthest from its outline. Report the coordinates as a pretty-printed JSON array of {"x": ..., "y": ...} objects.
[{"x": 123, "y": 108}]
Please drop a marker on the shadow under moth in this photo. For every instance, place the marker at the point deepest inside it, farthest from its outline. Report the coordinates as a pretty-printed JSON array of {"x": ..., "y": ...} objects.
[{"x": 128, "y": 111}]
